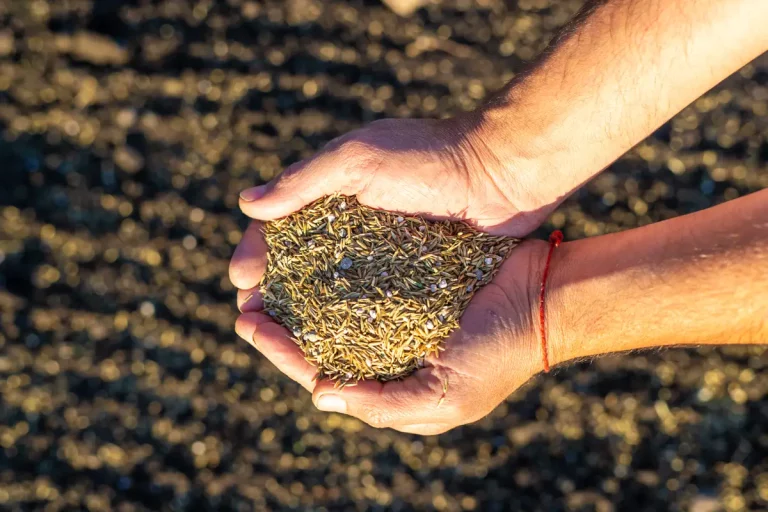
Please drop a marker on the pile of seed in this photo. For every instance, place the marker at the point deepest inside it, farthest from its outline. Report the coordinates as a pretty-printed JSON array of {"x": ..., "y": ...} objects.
[{"x": 368, "y": 294}]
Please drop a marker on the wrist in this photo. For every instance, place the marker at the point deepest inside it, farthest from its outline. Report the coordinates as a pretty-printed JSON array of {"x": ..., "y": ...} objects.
[
  {"x": 514, "y": 152},
  {"x": 532, "y": 163},
  {"x": 520, "y": 278},
  {"x": 597, "y": 301},
  {"x": 538, "y": 144},
  {"x": 558, "y": 328},
  {"x": 559, "y": 302},
  {"x": 515, "y": 296}
]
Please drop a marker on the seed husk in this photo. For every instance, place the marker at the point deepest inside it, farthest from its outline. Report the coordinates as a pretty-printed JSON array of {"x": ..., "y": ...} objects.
[{"x": 375, "y": 293}]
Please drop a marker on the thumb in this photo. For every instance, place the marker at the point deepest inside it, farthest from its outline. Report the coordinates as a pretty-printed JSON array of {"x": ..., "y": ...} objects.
[
  {"x": 416, "y": 400},
  {"x": 300, "y": 184}
]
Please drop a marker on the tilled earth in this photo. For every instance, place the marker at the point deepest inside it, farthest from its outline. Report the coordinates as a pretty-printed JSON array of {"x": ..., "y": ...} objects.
[{"x": 128, "y": 129}]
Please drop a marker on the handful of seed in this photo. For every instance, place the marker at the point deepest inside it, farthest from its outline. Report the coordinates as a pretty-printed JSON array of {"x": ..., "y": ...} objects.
[{"x": 369, "y": 294}]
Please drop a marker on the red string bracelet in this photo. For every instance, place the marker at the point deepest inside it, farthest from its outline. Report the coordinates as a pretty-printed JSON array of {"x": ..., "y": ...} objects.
[{"x": 554, "y": 241}]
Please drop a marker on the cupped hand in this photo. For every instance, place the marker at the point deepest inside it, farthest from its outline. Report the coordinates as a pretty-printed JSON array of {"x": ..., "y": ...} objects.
[
  {"x": 441, "y": 169},
  {"x": 492, "y": 353}
]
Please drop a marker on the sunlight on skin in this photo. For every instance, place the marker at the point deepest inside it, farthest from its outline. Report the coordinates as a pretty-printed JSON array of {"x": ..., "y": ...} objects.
[{"x": 618, "y": 71}]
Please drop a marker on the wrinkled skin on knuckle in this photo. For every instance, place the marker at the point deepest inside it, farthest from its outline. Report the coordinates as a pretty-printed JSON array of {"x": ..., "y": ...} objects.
[
  {"x": 355, "y": 149},
  {"x": 376, "y": 417},
  {"x": 291, "y": 175},
  {"x": 361, "y": 160}
]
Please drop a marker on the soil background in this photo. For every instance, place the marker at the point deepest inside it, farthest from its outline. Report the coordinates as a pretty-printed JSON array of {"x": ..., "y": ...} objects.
[{"x": 128, "y": 129}]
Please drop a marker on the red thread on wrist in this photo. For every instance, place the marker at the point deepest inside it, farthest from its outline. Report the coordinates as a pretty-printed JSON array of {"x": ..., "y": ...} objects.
[{"x": 554, "y": 241}]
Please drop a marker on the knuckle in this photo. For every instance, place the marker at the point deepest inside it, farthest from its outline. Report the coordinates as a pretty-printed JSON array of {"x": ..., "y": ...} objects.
[
  {"x": 335, "y": 143},
  {"x": 377, "y": 418},
  {"x": 356, "y": 149},
  {"x": 290, "y": 174}
]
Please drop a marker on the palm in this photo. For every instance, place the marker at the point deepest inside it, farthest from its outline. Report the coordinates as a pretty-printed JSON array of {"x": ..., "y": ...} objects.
[{"x": 493, "y": 352}]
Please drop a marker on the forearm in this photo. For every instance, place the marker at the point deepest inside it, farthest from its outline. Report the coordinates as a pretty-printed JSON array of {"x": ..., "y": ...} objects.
[
  {"x": 617, "y": 72},
  {"x": 697, "y": 279}
]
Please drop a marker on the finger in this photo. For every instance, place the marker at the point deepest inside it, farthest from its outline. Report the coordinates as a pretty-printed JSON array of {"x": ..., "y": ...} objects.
[
  {"x": 250, "y": 300},
  {"x": 275, "y": 343},
  {"x": 249, "y": 262},
  {"x": 329, "y": 172},
  {"x": 417, "y": 399}
]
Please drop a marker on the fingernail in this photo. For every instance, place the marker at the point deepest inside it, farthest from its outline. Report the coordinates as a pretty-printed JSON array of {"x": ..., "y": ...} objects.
[
  {"x": 331, "y": 403},
  {"x": 253, "y": 193},
  {"x": 245, "y": 302}
]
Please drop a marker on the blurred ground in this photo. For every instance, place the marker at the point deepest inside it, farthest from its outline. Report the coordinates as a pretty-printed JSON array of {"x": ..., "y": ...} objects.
[{"x": 128, "y": 128}]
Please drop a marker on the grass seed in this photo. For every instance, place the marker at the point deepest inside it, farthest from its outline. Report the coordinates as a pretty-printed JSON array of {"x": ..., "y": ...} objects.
[{"x": 369, "y": 294}]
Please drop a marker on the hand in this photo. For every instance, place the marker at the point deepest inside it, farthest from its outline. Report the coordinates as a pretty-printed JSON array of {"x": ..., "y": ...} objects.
[
  {"x": 494, "y": 351},
  {"x": 440, "y": 169}
]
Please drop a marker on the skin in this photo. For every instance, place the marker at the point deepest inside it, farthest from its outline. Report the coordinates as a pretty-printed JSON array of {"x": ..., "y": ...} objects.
[{"x": 618, "y": 71}]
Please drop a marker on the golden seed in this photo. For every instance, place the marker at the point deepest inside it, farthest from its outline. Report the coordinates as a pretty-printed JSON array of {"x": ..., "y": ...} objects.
[{"x": 379, "y": 306}]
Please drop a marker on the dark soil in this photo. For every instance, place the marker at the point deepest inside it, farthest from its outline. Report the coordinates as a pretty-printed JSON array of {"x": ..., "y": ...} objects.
[{"x": 128, "y": 129}]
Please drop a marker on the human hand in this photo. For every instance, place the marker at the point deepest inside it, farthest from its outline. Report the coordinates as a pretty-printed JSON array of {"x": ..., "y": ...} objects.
[
  {"x": 441, "y": 169},
  {"x": 493, "y": 352}
]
